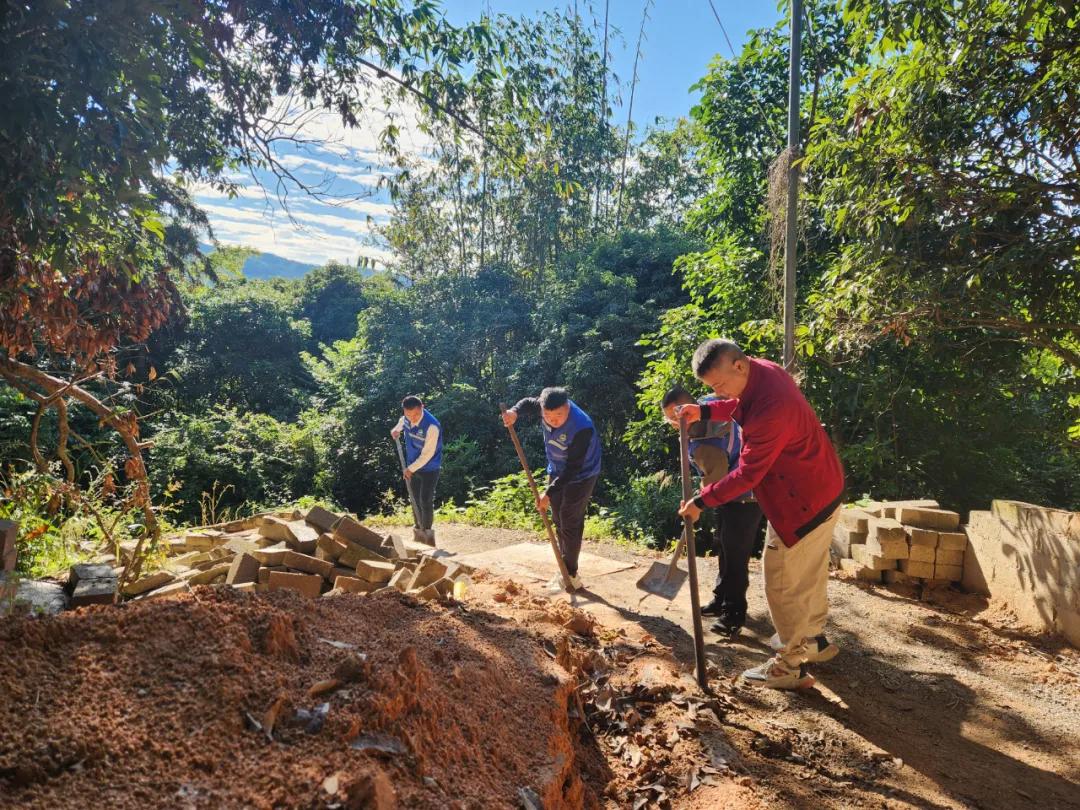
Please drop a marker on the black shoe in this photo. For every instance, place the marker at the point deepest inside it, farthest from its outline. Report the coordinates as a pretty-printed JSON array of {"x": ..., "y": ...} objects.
[
  {"x": 714, "y": 608},
  {"x": 726, "y": 627}
]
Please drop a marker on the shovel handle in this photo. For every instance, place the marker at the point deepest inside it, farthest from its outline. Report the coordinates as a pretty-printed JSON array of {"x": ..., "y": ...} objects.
[
  {"x": 536, "y": 496},
  {"x": 408, "y": 483},
  {"x": 691, "y": 555}
]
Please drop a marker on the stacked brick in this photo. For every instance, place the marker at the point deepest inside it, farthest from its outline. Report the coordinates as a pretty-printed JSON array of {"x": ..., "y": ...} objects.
[
  {"x": 315, "y": 553},
  {"x": 900, "y": 541}
]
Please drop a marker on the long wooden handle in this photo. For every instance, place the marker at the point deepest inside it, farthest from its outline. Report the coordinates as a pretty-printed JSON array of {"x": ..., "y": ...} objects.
[
  {"x": 408, "y": 483},
  {"x": 536, "y": 496},
  {"x": 691, "y": 554}
]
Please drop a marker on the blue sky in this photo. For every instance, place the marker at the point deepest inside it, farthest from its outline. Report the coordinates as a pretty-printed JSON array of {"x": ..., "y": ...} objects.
[{"x": 682, "y": 36}]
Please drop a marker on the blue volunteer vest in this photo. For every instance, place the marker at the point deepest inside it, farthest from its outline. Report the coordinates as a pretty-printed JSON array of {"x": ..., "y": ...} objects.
[
  {"x": 730, "y": 442},
  {"x": 415, "y": 438},
  {"x": 557, "y": 444}
]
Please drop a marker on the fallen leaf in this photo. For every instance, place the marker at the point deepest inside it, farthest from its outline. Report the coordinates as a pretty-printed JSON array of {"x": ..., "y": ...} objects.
[{"x": 380, "y": 743}]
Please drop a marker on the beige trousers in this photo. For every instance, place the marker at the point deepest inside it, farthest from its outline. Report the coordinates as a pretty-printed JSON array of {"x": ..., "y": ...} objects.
[{"x": 796, "y": 579}]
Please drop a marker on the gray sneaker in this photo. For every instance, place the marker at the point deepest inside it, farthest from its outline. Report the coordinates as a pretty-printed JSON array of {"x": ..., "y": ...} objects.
[{"x": 774, "y": 674}]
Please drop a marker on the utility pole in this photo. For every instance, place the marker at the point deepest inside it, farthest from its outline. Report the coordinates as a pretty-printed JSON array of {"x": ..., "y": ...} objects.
[{"x": 790, "y": 243}]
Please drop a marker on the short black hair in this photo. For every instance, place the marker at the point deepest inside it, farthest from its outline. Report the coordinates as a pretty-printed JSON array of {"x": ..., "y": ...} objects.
[
  {"x": 552, "y": 398},
  {"x": 410, "y": 402},
  {"x": 676, "y": 395},
  {"x": 710, "y": 353}
]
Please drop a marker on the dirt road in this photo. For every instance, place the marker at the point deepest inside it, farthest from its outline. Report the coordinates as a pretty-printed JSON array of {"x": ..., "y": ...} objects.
[{"x": 932, "y": 704}]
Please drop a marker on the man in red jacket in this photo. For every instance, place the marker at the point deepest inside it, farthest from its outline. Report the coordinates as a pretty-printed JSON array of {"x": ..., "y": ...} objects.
[{"x": 790, "y": 464}]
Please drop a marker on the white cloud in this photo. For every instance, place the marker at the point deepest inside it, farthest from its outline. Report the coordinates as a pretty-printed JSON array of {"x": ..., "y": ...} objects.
[{"x": 345, "y": 165}]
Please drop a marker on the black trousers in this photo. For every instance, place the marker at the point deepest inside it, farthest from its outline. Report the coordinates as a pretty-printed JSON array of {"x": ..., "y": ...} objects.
[
  {"x": 736, "y": 531},
  {"x": 423, "y": 491},
  {"x": 568, "y": 507}
]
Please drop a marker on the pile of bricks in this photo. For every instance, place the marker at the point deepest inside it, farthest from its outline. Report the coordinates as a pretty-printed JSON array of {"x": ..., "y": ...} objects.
[
  {"x": 900, "y": 541},
  {"x": 316, "y": 553}
]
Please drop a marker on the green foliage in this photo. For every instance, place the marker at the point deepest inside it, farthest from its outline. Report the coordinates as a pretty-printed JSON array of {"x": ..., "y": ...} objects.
[
  {"x": 646, "y": 509},
  {"x": 241, "y": 348},
  {"x": 506, "y": 504},
  {"x": 951, "y": 177},
  {"x": 56, "y": 533},
  {"x": 330, "y": 299},
  {"x": 250, "y": 460}
]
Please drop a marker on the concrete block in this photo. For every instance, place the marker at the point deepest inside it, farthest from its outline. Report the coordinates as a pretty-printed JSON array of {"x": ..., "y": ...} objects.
[
  {"x": 353, "y": 584},
  {"x": 9, "y": 533},
  {"x": 305, "y": 539},
  {"x": 244, "y": 568},
  {"x": 87, "y": 571},
  {"x": 925, "y": 554},
  {"x": 947, "y": 556},
  {"x": 357, "y": 533},
  {"x": 276, "y": 529},
  {"x": 210, "y": 574},
  {"x": 307, "y": 564},
  {"x": 332, "y": 548},
  {"x": 401, "y": 579},
  {"x": 953, "y": 541},
  {"x": 93, "y": 592},
  {"x": 844, "y": 538},
  {"x": 374, "y": 571},
  {"x": 921, "y": 537},
  {"x": 914, "y": 568},
  {"x": 855, "y": 519},
  {"x": 306, "y": 584},
  {"x": 873, "y": 561},
  {"x": 888, "y": 547},
  {"x": 860, "y": 571},
  {"x": 241, "y": 545},
  {"x": 428, "y": 570},
  {"x": 940, "y": 520},
  {"x": 398, "y": 549},
  {"x": 202, "y": 541},
  {"x": 950, "y": 573},
  {"x": 172, "y": 589},
  {"x": 885, "y": 530},
  {"x": 429, "y": 593},
  {"x": 148, "y": 583},
  {"x": 322, "y": 519},
  {"x": 354, "y": 553},
  {"x": 896, "y": 577},
  {"x": 243, "y": 525},
  {"x": 272, "y": 555},
  {"x": 263, "y": 577},
  {"x": 40, "y": 597},
  {"x": 890, "y": 509}
]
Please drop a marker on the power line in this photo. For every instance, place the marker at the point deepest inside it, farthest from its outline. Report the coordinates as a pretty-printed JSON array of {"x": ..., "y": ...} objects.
[{"x": 738, "y": 67}]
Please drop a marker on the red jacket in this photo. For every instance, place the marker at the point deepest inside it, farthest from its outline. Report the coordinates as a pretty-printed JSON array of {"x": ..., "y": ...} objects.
[{"x": 787, "y": 459}]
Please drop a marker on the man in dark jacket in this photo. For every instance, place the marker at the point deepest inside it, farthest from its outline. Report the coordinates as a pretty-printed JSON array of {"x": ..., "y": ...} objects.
[
  {"x": 573, "y": 455},
  {"x": 790, "y": 464}
]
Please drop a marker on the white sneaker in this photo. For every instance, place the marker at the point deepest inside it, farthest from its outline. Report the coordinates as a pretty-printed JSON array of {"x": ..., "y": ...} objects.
[
  {"x": 775, "y": 675},
  {"x": 818, "y": 649},
  {"x": 576, "y": 583},
  {"x": 556, "y": 585}
]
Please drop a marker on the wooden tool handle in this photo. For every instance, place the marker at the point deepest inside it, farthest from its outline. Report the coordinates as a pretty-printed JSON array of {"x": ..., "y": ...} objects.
[{"x": 536, "y": 496}]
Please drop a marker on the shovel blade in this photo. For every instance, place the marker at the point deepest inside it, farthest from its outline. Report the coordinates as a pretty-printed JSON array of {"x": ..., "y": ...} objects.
[{"x": 662, "y": 580}]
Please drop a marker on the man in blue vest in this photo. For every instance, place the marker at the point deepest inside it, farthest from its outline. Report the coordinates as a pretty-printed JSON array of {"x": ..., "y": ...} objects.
[
  {"x": 573, "y": 454},
  {"x": 423, "y": 460},
  {"x": 714, "y": 451}
]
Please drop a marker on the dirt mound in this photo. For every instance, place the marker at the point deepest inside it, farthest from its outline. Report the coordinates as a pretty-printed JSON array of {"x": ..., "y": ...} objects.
[{"x": 203, "y": 701}]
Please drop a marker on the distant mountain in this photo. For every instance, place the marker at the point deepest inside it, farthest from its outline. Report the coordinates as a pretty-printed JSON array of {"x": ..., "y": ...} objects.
[{"x": 267, "y": 265}]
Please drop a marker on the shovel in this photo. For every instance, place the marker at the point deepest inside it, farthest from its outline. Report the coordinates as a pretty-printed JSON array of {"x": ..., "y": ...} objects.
[
  {"x": 666, "y": 580},
  {"x": 564, "y": 574},
  {"x": 408, "y": 483}
]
